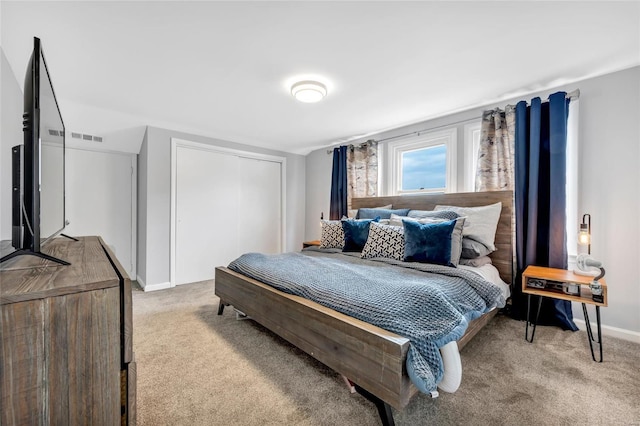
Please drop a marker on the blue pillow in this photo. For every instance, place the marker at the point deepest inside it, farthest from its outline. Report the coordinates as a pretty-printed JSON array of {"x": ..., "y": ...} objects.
[
  {"x": 356, "y": 233},
  {"x": 428, "y": 242},
  {"x": 380, "y": 213}
]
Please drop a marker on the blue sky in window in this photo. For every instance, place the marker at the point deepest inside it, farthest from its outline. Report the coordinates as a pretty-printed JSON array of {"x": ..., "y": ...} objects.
[{"x": 424, "y": 168}]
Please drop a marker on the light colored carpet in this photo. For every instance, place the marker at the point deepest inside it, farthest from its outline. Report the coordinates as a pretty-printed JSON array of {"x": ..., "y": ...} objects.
[{"x": 198, "y": 368}]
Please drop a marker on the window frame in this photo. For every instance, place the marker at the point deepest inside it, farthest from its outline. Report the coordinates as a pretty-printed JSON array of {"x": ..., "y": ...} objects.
[
  {"x": 472, "y": 133},
  {"x": 447, "y": 137}
]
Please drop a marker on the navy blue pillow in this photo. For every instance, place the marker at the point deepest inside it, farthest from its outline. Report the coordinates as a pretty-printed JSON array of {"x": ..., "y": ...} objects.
[
  {"x": 428, "y": 242},
  {"x": 380, "y": 213},
  {"x": 356, "y": 233}
]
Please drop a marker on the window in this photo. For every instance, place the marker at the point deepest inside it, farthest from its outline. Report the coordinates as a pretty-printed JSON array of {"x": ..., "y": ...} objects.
[
  {"x": 424, "y": 169},
  {"x": 423, "y": 163}
]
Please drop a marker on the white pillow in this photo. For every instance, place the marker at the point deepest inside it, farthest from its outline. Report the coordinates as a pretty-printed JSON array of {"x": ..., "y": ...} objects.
[{"x": 481, "y": 222}]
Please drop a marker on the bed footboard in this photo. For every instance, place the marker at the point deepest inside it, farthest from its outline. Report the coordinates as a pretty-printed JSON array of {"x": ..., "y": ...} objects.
[{"x": 370, "y": 356}]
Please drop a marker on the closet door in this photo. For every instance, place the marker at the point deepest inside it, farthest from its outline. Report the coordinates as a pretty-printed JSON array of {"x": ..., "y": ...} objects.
[
  {"x": 260, "y": 206},
  {"x": 206, "y": 210}
]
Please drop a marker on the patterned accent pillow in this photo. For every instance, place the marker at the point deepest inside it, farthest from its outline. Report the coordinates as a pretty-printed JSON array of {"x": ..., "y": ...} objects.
[
  {"x": 384, "y": 241},
  {"x": 332, "y": 234}
]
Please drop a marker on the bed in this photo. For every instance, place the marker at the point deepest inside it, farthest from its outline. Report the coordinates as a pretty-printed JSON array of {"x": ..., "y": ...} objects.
[{"x": 371, "y": 357}]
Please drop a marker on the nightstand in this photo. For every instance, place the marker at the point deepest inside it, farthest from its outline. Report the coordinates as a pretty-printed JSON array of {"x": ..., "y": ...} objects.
[
  {"x": 563, "y": 285},
  {"x": 310, "y": 243}
]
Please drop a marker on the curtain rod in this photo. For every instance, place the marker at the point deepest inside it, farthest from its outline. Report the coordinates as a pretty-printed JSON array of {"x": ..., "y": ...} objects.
[
  {"x": 575, "y": 94},
  {"x": 571, "y": 95}
]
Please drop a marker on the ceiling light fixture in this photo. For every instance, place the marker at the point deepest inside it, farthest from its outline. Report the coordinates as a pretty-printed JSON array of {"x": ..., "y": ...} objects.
[{"x": 309, "y": 91}]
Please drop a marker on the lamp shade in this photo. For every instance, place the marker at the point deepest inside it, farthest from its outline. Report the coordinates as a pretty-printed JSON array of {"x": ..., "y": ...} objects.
[
  {"x": 584, "y": 238},
  {"x": 309, "y": 91}
]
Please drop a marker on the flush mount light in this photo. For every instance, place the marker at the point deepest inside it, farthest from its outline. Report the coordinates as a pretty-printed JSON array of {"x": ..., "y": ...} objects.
[{"x": 309, "y": 91}]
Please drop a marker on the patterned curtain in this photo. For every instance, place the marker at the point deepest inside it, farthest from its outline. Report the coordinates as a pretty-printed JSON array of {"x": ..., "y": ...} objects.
[
  {"x": 362, "y": 170},
  {"x": 497, "y": 152}
]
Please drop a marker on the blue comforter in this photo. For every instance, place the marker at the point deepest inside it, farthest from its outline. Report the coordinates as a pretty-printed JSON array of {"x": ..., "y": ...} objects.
[{"x": 431, "y": 305}]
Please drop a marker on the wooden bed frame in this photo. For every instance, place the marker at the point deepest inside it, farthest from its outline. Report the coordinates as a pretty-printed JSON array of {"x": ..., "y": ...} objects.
[{"x": 371, "y": 357}]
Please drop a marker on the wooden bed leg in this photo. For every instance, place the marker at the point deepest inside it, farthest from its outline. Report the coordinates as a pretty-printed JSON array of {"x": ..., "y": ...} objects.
[
  {"x": 384, "y": 409},
  {"x": 220, "y": 308}
]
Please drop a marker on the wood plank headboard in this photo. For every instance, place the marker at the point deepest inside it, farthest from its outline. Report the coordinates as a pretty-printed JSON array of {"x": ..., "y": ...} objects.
[{"x": 502, "y": 258}]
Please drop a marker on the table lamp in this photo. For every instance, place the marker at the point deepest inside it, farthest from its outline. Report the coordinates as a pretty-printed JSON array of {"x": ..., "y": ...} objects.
[{"x": 584, "y": 234}]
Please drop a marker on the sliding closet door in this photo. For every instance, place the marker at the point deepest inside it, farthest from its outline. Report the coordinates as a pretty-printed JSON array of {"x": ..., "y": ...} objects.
[
  {"x": 206, "y": 211},
  {"x": 260, "y": 212},
  {"x": 225, "y": 203}
]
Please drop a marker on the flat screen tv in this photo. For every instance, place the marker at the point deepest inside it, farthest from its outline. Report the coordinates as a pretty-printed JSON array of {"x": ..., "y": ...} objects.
[{"x": 38, "y": 212}]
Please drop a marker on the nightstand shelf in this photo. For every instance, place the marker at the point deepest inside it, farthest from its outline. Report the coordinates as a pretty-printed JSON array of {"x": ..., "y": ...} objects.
[
  {"x": 555, "y": 283},
  {"x": 311, "y": 243}
]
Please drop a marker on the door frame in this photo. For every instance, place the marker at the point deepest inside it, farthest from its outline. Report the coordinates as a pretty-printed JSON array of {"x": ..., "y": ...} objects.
[{"x": 183, "y": 143}]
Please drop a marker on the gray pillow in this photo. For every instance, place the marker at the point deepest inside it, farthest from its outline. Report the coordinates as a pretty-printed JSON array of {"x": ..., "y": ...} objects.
[
  {"x": 472, "y": 249},
  {"x": 441, "y": 214},
  {"x": 481, "y": 223},
  {"x": 477, "y": 262}
]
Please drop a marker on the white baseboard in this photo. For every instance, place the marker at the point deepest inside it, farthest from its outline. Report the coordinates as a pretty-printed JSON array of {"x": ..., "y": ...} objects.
[
  {"x": 620, "y": 333},
  {"x": 152, "y": 287}
]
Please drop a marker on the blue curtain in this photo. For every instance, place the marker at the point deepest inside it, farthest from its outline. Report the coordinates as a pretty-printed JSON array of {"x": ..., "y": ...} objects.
[
  {"x": 338, "y": 206},
  {"x": 540, "y": 198}
]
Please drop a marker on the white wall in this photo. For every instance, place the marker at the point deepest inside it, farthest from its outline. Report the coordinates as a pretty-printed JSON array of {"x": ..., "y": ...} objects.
[
  {"x": 142, "y": 208},
  {"x": 609, "y": 185},
  {"x": 155, "y": 193},
  {"x": 318, "y": 188},
  {"x": 11, "y": 105}
]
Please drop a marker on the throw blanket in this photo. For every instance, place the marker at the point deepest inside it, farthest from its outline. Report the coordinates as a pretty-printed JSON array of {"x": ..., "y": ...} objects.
[{"x": 430, "y": 305}]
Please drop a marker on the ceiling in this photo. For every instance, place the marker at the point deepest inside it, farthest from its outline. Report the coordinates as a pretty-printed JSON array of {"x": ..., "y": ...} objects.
[{"x": 223, "y": 69}]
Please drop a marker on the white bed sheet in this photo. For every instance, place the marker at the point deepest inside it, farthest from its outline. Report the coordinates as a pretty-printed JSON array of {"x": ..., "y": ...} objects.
[{"x": 491, "y": 274}]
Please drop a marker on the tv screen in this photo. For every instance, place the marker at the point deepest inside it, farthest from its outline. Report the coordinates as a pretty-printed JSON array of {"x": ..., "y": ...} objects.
[
  {"x": 39, "y": 167},
  {"x": 51, "y": 139}
]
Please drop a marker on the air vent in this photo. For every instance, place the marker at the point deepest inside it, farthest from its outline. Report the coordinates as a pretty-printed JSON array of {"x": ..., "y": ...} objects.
[
  {"x": 53, "y": 132},
  {"x": 85, "y": 137}
]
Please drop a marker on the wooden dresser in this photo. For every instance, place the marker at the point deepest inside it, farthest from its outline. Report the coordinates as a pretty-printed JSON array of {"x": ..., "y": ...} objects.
[{"x": 66, "y": 338}]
